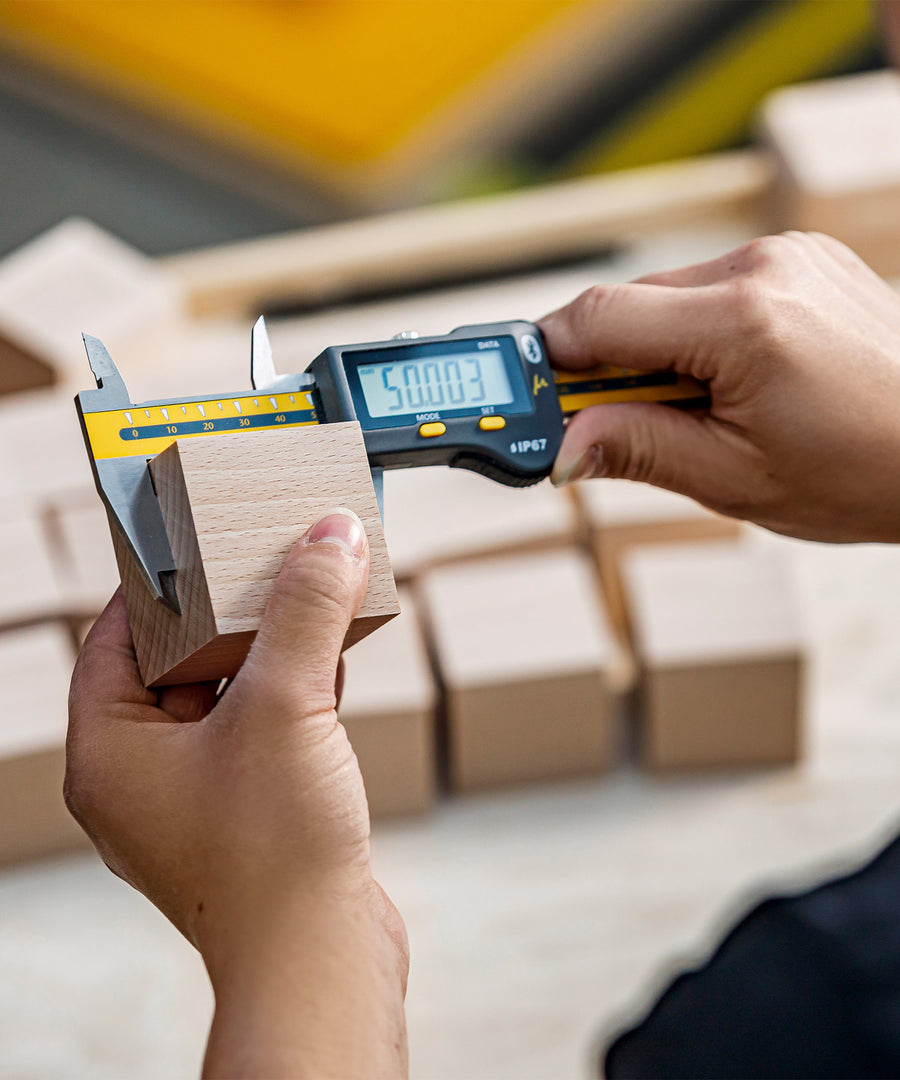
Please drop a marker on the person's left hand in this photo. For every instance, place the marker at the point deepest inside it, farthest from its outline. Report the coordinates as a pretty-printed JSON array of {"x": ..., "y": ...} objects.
[{"x": 245, "y": 821}]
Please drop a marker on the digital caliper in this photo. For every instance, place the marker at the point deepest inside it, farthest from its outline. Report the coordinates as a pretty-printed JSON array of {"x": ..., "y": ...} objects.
[{"x": 482, "y": 398}]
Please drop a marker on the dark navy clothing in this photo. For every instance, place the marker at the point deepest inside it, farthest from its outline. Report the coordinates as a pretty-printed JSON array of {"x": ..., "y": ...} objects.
[{"x": 805, "y": 986}]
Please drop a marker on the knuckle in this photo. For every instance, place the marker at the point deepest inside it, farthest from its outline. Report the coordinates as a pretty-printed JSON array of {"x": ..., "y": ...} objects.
[
  {"x": 593, "y": 301},
  {"x": 766, "y": 252}
]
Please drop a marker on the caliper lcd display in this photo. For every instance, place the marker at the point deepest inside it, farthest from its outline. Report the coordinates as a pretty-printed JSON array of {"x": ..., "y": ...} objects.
[{"x": 438, "y": 383}]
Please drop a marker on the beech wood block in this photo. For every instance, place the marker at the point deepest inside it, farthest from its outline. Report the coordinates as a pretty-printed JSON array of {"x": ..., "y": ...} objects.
[
  {"x": 528, "y": 665},
  {"x": 77, "y": 277},
  {"x": 621, "y": 514},
  {"x": 388, "y": 709},
  {"x": 837, "y": 151},
  {"x": 719, "y": 641},
  {"x": 440, "y": 515},
  {"x": 35, "y": 667},
  {"x": 233, "y": 507},
  {"x": 30, "y": 588}
]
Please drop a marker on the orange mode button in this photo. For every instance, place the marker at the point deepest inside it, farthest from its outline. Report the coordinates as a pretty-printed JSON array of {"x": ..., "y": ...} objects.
[
  {"x": 492, "y": 423},
  {"x": 429, "y": 431}
]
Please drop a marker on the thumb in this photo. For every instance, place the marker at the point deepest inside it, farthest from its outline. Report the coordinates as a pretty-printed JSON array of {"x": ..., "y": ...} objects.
[
  {"x": 317, "y": 594},
  {"x": 656, "y": 444}
]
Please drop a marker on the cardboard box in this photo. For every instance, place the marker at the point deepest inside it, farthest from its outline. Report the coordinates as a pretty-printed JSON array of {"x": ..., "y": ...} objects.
[
  {"x": 621, "y": 514},
  {"x": 719, "y": 641},
  {"x": 528, "y": 666},
  {"x": 438, "y": 515},
  {"x": 35, "y": 667},
  {"x": 388, "y": 708}
]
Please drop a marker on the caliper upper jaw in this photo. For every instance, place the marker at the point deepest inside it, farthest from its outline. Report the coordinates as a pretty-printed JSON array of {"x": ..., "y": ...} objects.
[{"x": 125, "y": 485}]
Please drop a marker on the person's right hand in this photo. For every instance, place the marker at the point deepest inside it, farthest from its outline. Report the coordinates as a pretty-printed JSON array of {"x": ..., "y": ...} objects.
[{"x": 799, "y": 342}]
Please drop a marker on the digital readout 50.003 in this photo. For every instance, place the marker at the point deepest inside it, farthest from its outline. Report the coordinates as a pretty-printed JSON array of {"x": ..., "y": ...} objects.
[{"x": 453, "y": 382}]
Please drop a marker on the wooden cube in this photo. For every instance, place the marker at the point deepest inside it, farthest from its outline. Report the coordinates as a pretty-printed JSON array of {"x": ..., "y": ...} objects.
[
  {"x": 837, "y": 150},
  {"x": 621, "y": 514},
  {"x": 77, "y": 277},
  {"x": 719, "y": 641},
  {"x": 233, "y": 507},
  {"x": 527, "y": 663},
  {"x": 388, "y": 708},
  {"x": 434, "y": 516},
  {"x": 35, "y": 667}
]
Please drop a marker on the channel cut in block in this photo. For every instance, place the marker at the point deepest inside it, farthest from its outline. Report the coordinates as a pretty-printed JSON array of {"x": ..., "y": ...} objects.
[
  {"x": 622, "y": 514},
  {"x": 529, "y": 668},
  {"x": 720, "y": 645},
  {"x": 233, "y": 506},
  {"x": 388, "y": 708}
]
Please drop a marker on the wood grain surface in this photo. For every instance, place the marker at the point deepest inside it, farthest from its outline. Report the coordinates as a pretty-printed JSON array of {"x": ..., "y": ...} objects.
[{"x": 233, "y": 507}]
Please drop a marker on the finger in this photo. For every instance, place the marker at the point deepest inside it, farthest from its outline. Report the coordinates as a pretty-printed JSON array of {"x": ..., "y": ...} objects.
[
  {"x": 107, "y": 673},
  {"x": 189, "y": 702},
  {"x": 710, "y": 272},
  {"x": 652, "y": 443},
  {"x": 650, "y": 327},
  {"x": 318, "y": 592}
]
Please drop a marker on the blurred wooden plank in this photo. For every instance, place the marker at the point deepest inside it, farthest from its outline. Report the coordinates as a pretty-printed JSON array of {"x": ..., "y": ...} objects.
[{"x": 453, "y": 240}]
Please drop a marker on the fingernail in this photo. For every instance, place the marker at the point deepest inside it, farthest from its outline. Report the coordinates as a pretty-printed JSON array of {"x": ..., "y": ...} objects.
[
  {"x": 341, "y": 527},
  {"x": 577, "y": 468}
]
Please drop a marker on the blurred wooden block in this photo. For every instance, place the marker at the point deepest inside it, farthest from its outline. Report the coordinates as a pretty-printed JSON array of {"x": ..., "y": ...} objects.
[
  {"x": 438, "y": 515},
  {"x": 77, "y": 277},
  {"x": 621, "y": 514},
  {"x": 233, "y": 508},
  {"x": 527, "y": 664},
  {"x": 837, "y": 147},
  {"x": 84, "y": 555},
  {"x": 718, "y": 637},
  {"x": 388, "y": 709},
  {"x": 30, "y": 587},
  {"x": 42, "y": 453},
  {"x": 35, "y": 666}
]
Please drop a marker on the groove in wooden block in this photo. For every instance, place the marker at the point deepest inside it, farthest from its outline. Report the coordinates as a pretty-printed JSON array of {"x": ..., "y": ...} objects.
[
  {"x": 233, "y": 507},
  {"x": 528, "y": 666},
  {"x": 388, "y": 709},
  {"x": 718, "y": 637}
]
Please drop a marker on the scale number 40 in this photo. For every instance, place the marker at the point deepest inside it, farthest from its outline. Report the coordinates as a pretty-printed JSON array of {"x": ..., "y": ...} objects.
[{"x": 527, "y": 446}]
